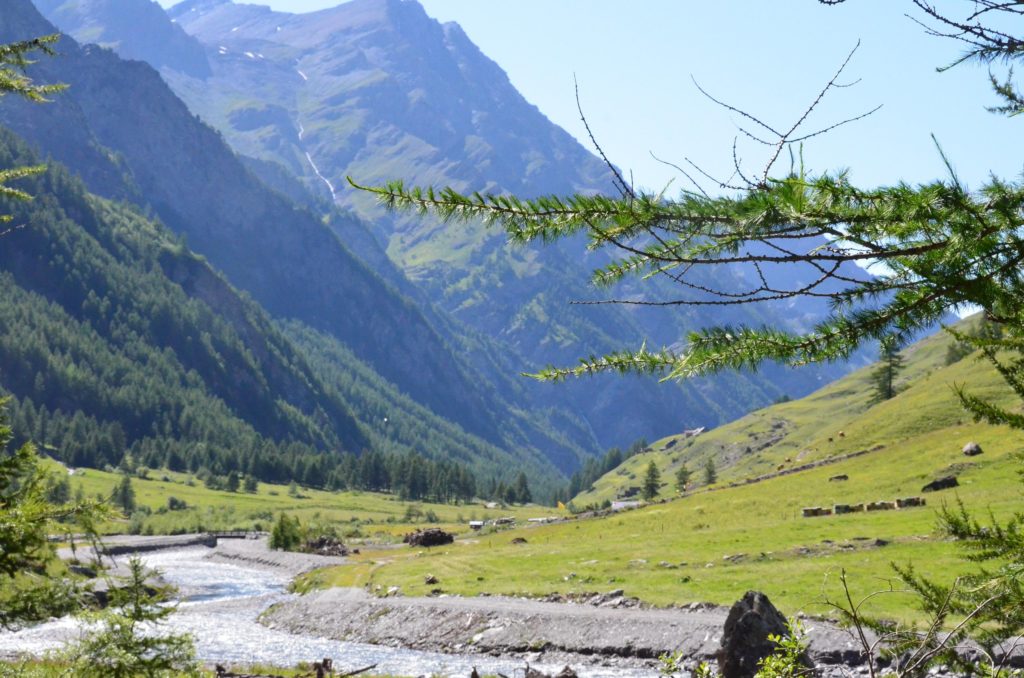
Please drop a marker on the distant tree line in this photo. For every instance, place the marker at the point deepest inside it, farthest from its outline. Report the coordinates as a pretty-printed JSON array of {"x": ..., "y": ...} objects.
[
  {"x": 595, "y": 467},
  {"x": 81, "y": 441}
]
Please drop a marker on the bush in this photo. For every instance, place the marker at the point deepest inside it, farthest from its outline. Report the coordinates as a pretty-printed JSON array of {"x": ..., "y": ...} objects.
[{"x": 286, "y": 534}]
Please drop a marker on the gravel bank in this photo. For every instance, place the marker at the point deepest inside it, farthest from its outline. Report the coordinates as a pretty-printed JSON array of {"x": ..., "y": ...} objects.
[
  {"x": 256, "y": 552},
  {"x": 498, "y": 625}
]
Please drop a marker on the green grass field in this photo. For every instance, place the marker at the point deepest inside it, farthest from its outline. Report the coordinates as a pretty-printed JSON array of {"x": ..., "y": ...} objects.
[
  {"x": 715, "y": 543},
  {"x": 359, "y": 515}
]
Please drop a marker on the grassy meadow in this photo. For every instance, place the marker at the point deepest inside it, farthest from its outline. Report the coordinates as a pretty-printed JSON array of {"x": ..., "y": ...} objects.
[
  {"x": 716, "y": 542},
  {"x": 710, "y": 544},
  {"x": 358, "y": 515}
]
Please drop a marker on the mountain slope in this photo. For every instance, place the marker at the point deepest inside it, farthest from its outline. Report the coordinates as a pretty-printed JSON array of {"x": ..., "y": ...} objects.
[
  {"x": 125, "y": 132},
  {"x": 836, "y": 421},
  {"x": 115, "y": 338},
  {"x": 376, "y": 89},
  {"x": 136, "y": 30}
]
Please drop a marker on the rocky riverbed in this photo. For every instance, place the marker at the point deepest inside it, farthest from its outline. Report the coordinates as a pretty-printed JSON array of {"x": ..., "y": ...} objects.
[
  {"x": 610, "y": 630},
  {"x": 234, "y": 601}
]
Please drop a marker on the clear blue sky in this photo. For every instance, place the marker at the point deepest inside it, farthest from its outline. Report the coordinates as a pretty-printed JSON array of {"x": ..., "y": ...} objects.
[{"x": 634, "y": 63}]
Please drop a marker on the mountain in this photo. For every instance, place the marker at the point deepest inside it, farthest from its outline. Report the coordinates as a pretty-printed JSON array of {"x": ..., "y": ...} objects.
[
  {"x": 129, "y": 137},
  {"x": 136, "y": 30},
  {"x": 115, "y": 338},
  {"x": 375, "y": 89}
]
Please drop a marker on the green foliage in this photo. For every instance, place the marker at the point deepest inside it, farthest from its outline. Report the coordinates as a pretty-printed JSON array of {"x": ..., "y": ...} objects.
[
  {"x": 789, "y": 660},
  {"x": 683, "y": 475},
  {"x": 28, "y": 591},
  {"x": 891, "y": 363},
  {"x": 128, "y": 642},
  {"x": 652, "y": 481},
  {"x": 710, "y": 472},
  {"x": 987, "y": 606},
  {"x": 990, "y": 601},
  {"x": 25, "y": 513},
  {"x": 286, "y": 534},
  {"x": 14, "y": 58},
  {"x": 943, "y": 244},
  {"x": 675, "y": 665}
]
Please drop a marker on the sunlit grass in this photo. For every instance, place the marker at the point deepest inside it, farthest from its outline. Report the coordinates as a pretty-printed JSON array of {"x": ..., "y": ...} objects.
[{"x": 715, "y": 543}]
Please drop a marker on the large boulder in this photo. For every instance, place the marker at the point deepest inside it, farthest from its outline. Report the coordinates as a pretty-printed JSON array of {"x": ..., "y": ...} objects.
[
  {"x": 745, "y": 640},
  {"x": 972, "y": 449}
]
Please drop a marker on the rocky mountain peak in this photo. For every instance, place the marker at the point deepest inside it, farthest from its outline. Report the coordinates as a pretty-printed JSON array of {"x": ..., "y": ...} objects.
[{"x": 138, "y": 29}]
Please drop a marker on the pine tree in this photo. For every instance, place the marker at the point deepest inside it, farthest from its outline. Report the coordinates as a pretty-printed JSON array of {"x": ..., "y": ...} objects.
[
  {"x": 124, "y": 494},
  {"x": 522, "y": 489},
  {"x": 683, "y": 475},
  {"x": 652, "y": 481},
  {"x": 883, "y": 377},
  {"x": 128, "y": 642},
  {"x": 26, "y": 518},
  {"x": 710, "y": 472}
]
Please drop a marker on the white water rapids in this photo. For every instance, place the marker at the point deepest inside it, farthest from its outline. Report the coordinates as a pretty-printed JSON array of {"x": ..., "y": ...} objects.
[{"x": 221, "y": 603}]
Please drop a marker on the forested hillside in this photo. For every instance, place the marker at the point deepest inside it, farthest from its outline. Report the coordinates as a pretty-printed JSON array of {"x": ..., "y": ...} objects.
[
  {"x": 125, "y": 133},
  {"x": 378, "y": 90},
  {"x": 116, "y": 339}
]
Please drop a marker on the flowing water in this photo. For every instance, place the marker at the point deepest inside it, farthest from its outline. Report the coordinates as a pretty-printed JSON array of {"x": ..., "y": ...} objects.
[{"x": 221, "y": 603}]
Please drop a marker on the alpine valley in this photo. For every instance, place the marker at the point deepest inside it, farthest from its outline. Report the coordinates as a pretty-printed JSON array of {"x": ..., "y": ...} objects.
[{"x": 228, "y": 131}]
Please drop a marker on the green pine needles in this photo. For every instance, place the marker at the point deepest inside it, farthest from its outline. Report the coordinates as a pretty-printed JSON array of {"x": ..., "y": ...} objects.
[
  {"x": 14, "y": 59},
  {"x": 941, "y": 244}
]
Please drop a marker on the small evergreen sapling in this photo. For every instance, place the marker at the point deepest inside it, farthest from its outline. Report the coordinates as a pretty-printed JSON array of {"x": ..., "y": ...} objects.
[{"x": 124, "y": 640}]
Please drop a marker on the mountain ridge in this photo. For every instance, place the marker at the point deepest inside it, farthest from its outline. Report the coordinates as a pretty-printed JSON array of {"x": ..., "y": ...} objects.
[{"x": 377, "y": 89}]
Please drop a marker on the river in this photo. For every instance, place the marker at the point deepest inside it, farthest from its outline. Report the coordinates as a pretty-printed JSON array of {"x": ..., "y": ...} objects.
[{"x": 220, "y": 604}]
